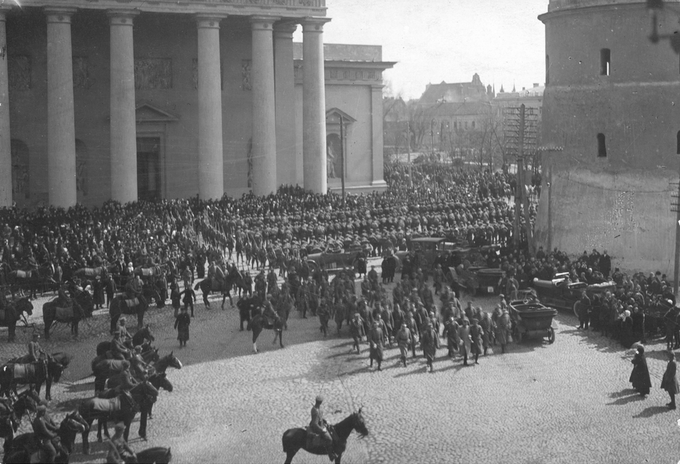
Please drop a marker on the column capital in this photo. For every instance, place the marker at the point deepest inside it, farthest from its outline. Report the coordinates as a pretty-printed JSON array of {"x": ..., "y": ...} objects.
[
  {"x": 311, "y": 24},
  {"x": 59, "y": 15},
  {"x": 285, "y": 29},
  {"x": 121, "y": 17},
  {"x": 207, "y": 21},
  {"x": 263, "y": 22}
]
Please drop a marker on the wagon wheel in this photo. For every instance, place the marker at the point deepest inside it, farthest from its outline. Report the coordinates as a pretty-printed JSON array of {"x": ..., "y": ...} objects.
[
  {"x": 577, "y": 306},
  {"x": 551, "y": 335}
]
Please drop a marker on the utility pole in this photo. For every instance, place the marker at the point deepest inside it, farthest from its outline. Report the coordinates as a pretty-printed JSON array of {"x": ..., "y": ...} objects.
[
  {"x": 675, "y": 207},
  {"x": 342, "y": 157}
]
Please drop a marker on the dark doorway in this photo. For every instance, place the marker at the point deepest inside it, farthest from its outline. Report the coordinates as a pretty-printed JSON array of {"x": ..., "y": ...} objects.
[{"x": 148, "y": 168}]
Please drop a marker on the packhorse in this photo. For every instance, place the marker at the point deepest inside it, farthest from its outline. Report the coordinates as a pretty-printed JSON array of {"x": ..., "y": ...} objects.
[
  {"x": 33, "y": 374},
  {"x": 12, "y": 312},
  {"x": 121, "y": 408},
  {"x": 299, "y": 438},
  {"x": 221, "y": 283},
  {"x": 73, "y": 314},
  {"x": 122, "y": 305},
  {"x": 12, "y": 412},
  {"x": 31, "y": 279}
]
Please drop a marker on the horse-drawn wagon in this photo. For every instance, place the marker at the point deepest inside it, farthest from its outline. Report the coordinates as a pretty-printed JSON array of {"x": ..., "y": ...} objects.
[
  {"x": 532, "y": 319},
  {"x": 560, "y": 293}
]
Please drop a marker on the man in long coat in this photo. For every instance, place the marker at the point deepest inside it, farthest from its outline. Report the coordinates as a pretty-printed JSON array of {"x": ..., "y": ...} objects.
[
  {"x": 428, "y": 342},
  {"x": 375, "y": 338},
  {"x": 404, "y": 339},
  {"x": 670, "y": 380}
]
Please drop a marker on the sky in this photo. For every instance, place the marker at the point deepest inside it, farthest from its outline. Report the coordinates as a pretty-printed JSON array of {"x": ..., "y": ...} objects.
[{"x": 446, "y": 40}]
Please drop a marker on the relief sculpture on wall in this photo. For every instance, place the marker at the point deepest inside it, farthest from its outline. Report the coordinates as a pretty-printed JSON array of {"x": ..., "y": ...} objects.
[
  {"x": 245, "y": 75},
  {"x": 20, "y": 171},
  {"x": 81, "y": 73},
  {"x": 81, "y": 168},
  {"x": 153, "y": 73}
]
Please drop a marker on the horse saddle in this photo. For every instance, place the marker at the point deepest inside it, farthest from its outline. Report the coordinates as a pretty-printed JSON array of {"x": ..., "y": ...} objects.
[
  {"x": 109, "y": 366},
  {"x": 106, "y": 405},
  {"x": 93, "y": 271},
  {"x": 65, "y": 312},
  {"x": 314, "y": 440},
  {"x": 131, "y": 303},
  {"x": 147, "y": 272},
  {"x": 24, "y": 371},
  {"x": 23, "y": 274}
]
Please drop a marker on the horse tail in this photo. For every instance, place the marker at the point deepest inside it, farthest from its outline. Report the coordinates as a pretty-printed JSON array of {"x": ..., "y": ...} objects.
[{"x": 198, "y": 285}]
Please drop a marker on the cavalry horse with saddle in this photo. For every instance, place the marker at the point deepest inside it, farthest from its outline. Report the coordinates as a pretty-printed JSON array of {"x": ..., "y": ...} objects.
[
  {"x": 32, "y": 279},
  {"x": 222, "y": 282},
  {"x": 11, "y": 311},
  {"x": 12, "y": 412},
  {"x": 261, "y": 315},
  {"x": 294, "y": 440},
  {"x": 68, "y": 310},
  {"x": 21, "y": 371}
]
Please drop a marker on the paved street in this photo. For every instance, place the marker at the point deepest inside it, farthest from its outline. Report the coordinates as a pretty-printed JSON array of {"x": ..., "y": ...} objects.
[{"x": 567, "y": 402}]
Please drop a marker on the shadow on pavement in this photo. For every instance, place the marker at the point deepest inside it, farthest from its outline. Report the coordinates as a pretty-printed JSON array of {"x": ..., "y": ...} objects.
[
  {"x": 652, "y": 411},
  {"x": 624, "y": 392},
  {"x": 626, "y": 399}
]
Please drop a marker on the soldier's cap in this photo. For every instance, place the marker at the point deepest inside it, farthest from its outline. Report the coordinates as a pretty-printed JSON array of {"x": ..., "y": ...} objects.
[
  {"x": 120, "y": 427},
  {"x": 319, "y": 399},
  {"x": 41, "y": 409}
]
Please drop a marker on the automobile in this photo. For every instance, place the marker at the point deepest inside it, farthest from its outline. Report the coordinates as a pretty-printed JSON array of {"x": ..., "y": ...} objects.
[
  {"x": 335, "y": 259},
  {"x": 561, "y": 293}
]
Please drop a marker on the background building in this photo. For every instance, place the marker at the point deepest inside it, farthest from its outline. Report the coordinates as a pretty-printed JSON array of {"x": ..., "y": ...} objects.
[
  {"x": 611, "y": 101},
  {"x": 164, "y": 99}
]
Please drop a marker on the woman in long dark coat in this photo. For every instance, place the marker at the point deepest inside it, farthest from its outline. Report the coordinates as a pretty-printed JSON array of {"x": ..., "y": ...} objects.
[
  {"x": 640, "y": 375},
  {"x": 182, "y": 325},
  {"x": 670, "y": 381}
]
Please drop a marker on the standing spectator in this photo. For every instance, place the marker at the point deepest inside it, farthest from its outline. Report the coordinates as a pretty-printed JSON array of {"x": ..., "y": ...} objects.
[
  {"x": 356, "y": 328},
  {"x": 476, "y": 336},
  {"x": 670, "y": 380},
  {"x": 98, "y": 293},
  {"x": 187, "y": 277},
  {"x": 428, "y": 342},
  {"x": 584, "y": 311},
  {"x": 465, "y": 342},
  {"x": 189, "y": 298},
  {"x": 640, "y": 375},
  {"x": 175, "y": 297},
  {"x": 404, "y": 338},
  {"x": 182, "y": 325}
]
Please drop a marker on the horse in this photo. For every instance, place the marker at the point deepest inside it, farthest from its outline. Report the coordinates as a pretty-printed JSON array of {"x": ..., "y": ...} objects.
[
  {"x": 31, "y": 279},
  {"x": 10, "y": 315},
  {"x": 11, "y": 414},
  {"x": 169, "y": 360},
  {"x": 122, "y": 305},
  {"x": 122, "y": 408},
  {"x": 296, "y": 439},
  {"x": 25, "y": 447},
  {"x": 35, "y": 374},
  {"x": 142, "y": 338},
  {"x": 222, "y": 284},
  {"x": 52, "y": 314},
  {"x": 260, "y": 322},
  {"x": 158, "y": 381}
]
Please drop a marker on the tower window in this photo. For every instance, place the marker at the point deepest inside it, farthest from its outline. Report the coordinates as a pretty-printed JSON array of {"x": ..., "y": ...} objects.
[
  {"x": 605, "y": 61},
  {"x": 601, "y": 146}
]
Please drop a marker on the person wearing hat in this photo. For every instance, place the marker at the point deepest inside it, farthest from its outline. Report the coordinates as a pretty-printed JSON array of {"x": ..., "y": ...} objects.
[
  {"x": 119, "y": 450},
  {"x": 476, "y": 337},
  {"x": 182, "y": 325},
  {"x": 670, "y": 380},
  {"x": 404, "y": 339},
  {"x": 124, "y": 334},
  {"x": 428, "y": 342},
  {"x": 356, "y": 329},
  {"x": 639, "y": 377},
  {"x": 118, "y": 348},
  {"x": 465, "y": 341},
  {"x": 45, "y": 431},
  {"x": 376, "y": 340},
  {"x": 35, "y": 351},
  {"x": 318, "y": 426}
]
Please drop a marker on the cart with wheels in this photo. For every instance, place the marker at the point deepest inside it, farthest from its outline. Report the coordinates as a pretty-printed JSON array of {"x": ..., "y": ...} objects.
[{"x": 532, "y": 319}]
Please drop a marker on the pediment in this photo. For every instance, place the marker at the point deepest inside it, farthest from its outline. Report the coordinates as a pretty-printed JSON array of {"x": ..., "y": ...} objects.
[
  {"x": 333, "y": 116},
  {"x": 146, "y": 112}
]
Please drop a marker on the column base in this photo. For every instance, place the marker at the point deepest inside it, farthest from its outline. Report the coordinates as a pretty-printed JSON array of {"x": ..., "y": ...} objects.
[{"x": 358, "y": 187}]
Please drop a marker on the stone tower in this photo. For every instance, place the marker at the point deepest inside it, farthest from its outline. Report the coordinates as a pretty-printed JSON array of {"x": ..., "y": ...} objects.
[{"x": 612, "y": 102}]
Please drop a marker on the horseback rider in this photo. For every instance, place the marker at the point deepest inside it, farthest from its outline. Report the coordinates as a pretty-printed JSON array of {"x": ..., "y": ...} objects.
[
  {"x": 119, "y": 450},
  {"x": 63, "y": 300},
  {"x": 35, "y": 352},
  {"x": 134, "y": 287},
  {"x": 137, "y": 362},
  {"x": 318, "y": 426},
  {"x": 125, "y": 336},
  {"x": 45, "y": 431},
  {"x": 118, "y": 348}
]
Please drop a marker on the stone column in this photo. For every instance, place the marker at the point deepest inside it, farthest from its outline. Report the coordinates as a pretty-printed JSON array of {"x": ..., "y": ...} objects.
[
  {"x": 210, "y": 151},
  {"x": 314, "y": 106},
  {"x": 123, "y": 113},
  {"x": 377, "y": 179},
  {"x": 264, "y": 106},
  {"x": 61, "y": 138},
  {"x": 5, "y": 136},
  {"x": 286, "y": 124}
]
